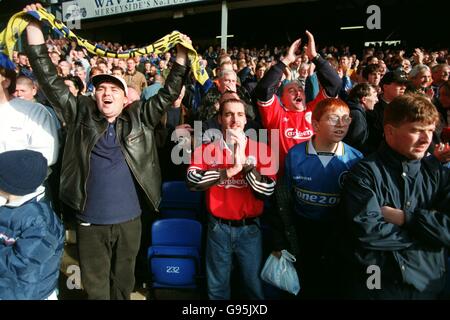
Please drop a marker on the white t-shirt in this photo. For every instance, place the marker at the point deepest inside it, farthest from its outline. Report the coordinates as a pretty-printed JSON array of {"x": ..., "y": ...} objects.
[{"x": 28, "y": 125}]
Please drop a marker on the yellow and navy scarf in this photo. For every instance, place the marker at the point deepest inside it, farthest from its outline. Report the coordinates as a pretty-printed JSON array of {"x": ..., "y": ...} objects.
[{"x": 19, "y": 21}]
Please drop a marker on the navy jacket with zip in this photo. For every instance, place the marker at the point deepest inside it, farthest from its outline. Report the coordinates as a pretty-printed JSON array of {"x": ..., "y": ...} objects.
[{"x": 414, "y": 253}]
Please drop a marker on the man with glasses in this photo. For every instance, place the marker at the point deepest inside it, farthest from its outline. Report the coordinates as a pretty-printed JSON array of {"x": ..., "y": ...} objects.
[{"x": 314, "y": 173}]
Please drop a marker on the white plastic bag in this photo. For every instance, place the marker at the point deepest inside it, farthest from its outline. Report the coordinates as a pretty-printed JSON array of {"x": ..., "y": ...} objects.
[{"x": 281, "y": 272}]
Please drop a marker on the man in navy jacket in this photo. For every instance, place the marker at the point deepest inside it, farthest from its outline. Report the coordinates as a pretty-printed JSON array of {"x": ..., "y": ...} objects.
[{"x": 396, "y": 205}]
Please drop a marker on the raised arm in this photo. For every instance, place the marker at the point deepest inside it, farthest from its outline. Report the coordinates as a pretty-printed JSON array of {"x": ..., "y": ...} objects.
[
  {"x": 328, "y": 77},
  {"x": 154, "y": 107},
  {"x": 268, "y": 85},
  {"x": 57, "y": 93}
]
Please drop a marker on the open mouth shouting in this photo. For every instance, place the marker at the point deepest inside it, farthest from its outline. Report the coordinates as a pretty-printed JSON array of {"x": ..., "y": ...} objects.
[
  {"x": 298, "y": 102},
  {"x": 107, "y": 101}
]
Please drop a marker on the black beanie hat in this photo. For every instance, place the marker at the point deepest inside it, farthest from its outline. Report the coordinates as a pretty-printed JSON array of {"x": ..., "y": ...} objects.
[{"x": 22, "y": 171}]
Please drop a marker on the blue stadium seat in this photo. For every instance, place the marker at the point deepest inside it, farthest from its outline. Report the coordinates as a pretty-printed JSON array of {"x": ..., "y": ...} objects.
[
  {"x": 174, "y": 256},
  {"x": 179, "y": 213},
  {"x": 178, "y": 201}
]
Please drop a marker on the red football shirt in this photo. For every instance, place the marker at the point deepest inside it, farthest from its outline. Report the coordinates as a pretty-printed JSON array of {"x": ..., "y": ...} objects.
[
  {"x": 233, "y": 198},
  {"x": 294, "y": 127}
]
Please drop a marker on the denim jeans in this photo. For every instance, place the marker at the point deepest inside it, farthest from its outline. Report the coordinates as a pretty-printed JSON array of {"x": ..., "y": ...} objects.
[{"x": 222, "y": 242}]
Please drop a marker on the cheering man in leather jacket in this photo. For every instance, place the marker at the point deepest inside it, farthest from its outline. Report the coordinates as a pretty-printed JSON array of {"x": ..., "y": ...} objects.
[{"x": 110, "y": 162}]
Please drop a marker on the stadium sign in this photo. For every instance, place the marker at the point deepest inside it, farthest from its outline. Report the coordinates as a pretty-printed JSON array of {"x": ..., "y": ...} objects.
[{"x": 87, "y": 9}]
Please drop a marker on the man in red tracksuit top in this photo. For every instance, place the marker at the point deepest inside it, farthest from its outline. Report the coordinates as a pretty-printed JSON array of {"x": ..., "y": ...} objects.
[
  {"x": 292, "y": 116},
  {"x": 237, "y": 174}
]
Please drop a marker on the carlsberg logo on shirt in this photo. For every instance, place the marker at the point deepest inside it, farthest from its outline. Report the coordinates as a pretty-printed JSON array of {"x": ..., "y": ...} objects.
[{"x": 297, "y": 134}]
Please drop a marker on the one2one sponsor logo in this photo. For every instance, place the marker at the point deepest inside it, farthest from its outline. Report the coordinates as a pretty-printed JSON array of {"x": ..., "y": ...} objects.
[{"x": 318, "y": 199}]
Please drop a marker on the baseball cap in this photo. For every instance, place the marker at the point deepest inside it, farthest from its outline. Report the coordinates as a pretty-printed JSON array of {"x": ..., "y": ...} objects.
[
  {"x": 100, "y": 78},
  {"x": 394, "y": 77}
]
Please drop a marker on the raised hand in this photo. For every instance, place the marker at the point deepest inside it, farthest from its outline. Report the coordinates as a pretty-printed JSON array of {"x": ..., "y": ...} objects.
[
  {"x": 237, "y": 165},
  {"x": 34, "y": 31},
  {"x": 288, "y": 74},
  {"x": 32, "y": 7},
  {"x": 182, "y": 51},
  {"x": 238, "y": 140},
  {"x": 418, "y": 56},
  {"x": 312, "y": 68},
  {"x": 290, "y": 55},
  {"x": 429, "y": 92},
  {"x": 310, "y": 48},
  {"x": 237, "y": 137}
]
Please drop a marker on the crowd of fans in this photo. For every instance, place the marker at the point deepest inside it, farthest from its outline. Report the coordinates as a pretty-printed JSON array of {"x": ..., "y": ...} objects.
[
  {"x": 421, "y": 71},
  {"x": 291, "y": 89}
]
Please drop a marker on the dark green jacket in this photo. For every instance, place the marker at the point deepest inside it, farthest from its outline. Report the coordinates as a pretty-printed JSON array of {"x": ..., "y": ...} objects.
[{"x": 85, "y": 125}]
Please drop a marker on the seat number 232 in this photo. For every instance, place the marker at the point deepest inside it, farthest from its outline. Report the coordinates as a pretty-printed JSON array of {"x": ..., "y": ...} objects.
[{"x": 172, "y": 269}]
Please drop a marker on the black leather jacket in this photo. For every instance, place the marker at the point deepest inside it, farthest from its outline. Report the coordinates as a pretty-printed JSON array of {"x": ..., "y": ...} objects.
[{"x": 85, "y": 125}]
